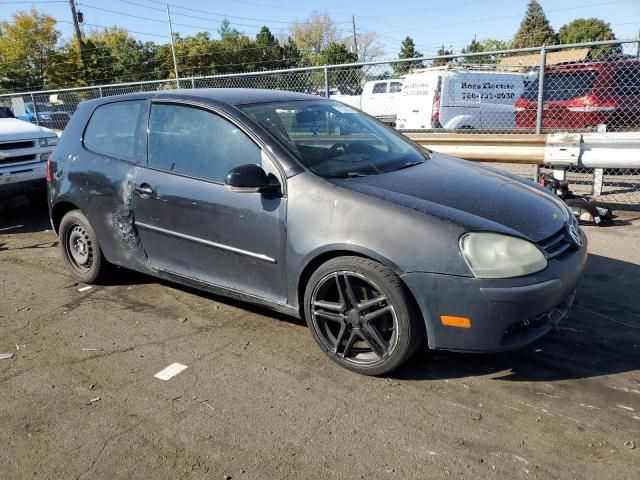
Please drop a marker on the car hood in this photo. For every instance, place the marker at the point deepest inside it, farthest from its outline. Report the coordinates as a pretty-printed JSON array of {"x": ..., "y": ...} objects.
[
  {"x": 474, "y": 196},
  {"x": 14, "y": 129}
]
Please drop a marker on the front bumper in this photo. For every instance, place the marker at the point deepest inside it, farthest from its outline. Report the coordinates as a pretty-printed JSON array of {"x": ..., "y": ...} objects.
[
  {"x": 22, "y": 178},
  {"x": 505, "y": 313}
]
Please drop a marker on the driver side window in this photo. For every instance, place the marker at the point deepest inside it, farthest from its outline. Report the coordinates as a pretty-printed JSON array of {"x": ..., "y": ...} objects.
[{"x": 197, "y": 143}]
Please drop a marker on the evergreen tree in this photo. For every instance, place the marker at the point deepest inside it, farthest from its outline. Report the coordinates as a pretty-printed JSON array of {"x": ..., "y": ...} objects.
[
  {"x": 535, "y": 29},
  {"x": 269, "y": 49},
  {"x": 407, "y": 50}
]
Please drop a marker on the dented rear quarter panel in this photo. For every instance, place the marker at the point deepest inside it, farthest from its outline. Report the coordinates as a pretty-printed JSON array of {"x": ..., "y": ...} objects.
[{"x": 100, "y": 186}]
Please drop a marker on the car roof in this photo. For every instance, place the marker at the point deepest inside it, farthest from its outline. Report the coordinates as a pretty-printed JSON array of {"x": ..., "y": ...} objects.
[
  {"x": 593, "y": 65},
  {"x": 231, "y": 96}
]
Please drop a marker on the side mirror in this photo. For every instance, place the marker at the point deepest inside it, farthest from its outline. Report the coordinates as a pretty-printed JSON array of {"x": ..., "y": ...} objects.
[{"x": 251, "y": 178}]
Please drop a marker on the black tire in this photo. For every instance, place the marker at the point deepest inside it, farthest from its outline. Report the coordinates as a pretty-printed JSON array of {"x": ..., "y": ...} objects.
[
  {"x": 385, "y": 333},
  {"x": 76, "y": 233}
]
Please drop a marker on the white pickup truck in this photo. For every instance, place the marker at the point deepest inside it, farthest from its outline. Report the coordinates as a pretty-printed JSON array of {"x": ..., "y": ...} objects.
[
  {"x": 379, "y": 99},
  {"x": 24, "y": 149}
]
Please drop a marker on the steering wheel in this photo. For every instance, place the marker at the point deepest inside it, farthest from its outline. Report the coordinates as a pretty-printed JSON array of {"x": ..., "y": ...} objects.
[{"x": 338, "y": 149}]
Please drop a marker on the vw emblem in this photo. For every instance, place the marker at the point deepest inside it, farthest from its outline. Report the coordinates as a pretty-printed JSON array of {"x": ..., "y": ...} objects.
[{"x": 574, "y": 233}]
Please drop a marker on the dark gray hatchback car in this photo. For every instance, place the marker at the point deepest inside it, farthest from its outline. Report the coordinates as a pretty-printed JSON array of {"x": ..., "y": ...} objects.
[{"x": 312, "y": 208}]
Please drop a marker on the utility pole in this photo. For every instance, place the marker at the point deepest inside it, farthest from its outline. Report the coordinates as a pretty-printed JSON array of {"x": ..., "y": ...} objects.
[
  {"x": 355, "y": 38},
  {"x": 76, "y": 25},
  {"x": 173, "y": 48}
]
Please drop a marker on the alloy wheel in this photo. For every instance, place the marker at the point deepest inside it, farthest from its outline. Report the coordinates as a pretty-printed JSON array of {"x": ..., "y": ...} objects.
[{"x": 353, "y": 318}]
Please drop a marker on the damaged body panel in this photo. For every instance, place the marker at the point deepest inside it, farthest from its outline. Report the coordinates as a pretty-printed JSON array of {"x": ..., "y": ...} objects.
[{"x": 251, "y": 193}]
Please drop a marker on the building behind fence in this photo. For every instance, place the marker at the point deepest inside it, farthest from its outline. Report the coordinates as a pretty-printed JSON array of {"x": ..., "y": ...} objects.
[{"x": 569, "y": 88}]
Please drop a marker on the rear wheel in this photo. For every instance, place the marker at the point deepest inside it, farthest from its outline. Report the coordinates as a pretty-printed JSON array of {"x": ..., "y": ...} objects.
[
  {"x": 362, "y": 316},
  {"x": 80, "y": 248}
]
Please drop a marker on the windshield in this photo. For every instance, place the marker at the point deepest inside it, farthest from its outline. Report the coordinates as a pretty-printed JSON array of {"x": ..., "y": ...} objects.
[
  {"x": 333, "y": 140},
  {"x": 562, "y": 86},
  {"x": 6, "y": 113}
]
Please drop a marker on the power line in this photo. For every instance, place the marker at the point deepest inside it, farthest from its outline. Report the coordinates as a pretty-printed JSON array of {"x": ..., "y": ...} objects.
[{"x": 224, "y": 15}]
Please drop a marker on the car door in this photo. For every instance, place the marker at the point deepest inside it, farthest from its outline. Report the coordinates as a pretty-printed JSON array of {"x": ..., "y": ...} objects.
[
  {"x": 375, "y": 99},
  {"x": 189, "y": 223}
]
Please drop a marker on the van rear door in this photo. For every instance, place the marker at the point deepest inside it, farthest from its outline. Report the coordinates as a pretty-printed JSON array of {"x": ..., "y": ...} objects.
[{"x": 416, "y": 101}]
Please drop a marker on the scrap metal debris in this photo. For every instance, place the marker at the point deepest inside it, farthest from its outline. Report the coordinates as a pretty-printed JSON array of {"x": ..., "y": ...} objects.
[
  {"x": 6, "y": 356},
  {"x": 93, "y": 400}
]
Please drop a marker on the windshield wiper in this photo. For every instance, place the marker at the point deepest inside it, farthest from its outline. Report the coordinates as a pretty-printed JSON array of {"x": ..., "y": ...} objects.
[
  {"x": 348, "y": 175},
  {"x": 411, "y": 164}
]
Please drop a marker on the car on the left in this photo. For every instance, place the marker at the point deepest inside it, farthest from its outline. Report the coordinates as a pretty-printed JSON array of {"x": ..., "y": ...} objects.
[{"x": 24, "y": 150}]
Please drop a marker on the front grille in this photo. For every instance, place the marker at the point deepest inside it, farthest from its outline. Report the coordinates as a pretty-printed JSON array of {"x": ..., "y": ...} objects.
[
  {"x": 16, "y": 145},
  {"x": 18, "y": 159},
  {"x": 556, "y": 244}
]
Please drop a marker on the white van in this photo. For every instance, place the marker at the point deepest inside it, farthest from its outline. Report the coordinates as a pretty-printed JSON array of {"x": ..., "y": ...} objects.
[
  {"x": 458, "y": 98},
  {"x": 379, "y": 99}
]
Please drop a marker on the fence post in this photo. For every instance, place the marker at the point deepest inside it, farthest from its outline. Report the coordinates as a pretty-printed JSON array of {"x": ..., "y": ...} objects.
[
  {"x": 540, "y": 112},
  {"x": 193, "y": 82},
  {"x": 326, "y": 81},
  {"x": 100, "y": 91},
  {"x": 35, "y": 109}
]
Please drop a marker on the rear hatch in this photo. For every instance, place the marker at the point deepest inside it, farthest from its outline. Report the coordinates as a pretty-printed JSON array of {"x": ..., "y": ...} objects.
[{"x": 566, "y": 95}]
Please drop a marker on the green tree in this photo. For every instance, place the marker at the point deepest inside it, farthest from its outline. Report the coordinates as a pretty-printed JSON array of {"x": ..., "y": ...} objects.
[
  {"x": 336, "y": 53},
  {"x": 28, "y": 54},
  {"x": 407, "y": 50},
  {"x": 225, "y": 30},
  {"x": 270, "y": 53},
  {"x": 438, "y": 62},
  {"x": 487, "y": 45},
  {"x": 112, "y": 56},
  {"x": 590, "y": 30},
  {"x": 291, "y": 55},
  {"x": 535, "y": 29}
]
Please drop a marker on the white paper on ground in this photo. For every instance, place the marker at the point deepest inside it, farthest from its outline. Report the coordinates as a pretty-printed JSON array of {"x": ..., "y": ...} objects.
[
  {"x": 171, "y": 371},
  {"x": 84, "y": 289}
]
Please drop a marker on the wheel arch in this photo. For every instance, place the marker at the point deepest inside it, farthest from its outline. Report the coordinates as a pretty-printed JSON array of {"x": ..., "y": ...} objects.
[
  {"x": 58, "y": 211},
  {"x": 318, "y": 257}
]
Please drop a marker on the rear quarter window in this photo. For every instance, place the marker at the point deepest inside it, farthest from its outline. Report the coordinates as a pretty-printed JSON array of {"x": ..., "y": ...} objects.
[
  {"x": 111, "y": 130},
  {"x": 559, "y": 86},
  {"x": 626, "y": 81}
]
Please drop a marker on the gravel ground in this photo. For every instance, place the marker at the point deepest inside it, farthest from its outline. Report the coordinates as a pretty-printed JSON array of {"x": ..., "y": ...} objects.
[{"x": 78, "y": 398}]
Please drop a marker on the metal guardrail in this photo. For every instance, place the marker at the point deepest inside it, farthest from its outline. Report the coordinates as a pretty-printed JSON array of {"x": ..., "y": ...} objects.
[{"x": 499, "y": 148}]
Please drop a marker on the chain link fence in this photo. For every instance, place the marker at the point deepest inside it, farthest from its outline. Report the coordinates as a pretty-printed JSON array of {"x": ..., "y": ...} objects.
[{"x": 572, "y": 88}]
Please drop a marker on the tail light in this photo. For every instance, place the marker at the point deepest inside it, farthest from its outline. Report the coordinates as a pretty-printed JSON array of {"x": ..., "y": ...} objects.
[
  {"x": 49, "y": 168},
  {"x": 435, "y": 110},
  {"x": 522, "y": 104},
  {"x": 589, "y": 103}
]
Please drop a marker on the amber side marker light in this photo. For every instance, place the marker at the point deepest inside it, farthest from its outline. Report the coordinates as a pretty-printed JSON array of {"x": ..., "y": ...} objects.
[{"x": 460, "y": 322}]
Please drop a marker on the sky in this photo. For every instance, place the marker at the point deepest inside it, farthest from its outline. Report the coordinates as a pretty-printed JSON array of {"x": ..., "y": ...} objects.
[{"x": 430, "y": 23}]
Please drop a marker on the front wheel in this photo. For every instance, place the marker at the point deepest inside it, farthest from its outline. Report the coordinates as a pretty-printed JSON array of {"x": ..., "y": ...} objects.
[
  {"x": 80, "y": 248},
  {"x": 362, "y": 316}
]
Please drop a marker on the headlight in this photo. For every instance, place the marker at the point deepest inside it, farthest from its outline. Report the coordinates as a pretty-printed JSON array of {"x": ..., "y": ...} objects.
[
  {"x": 492, "y": 255},
  {"x": 48, "y": 141}
]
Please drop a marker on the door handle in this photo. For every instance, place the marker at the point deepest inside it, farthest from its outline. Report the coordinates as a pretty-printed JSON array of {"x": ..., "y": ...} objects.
[{"x": 144, "y": 190}]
